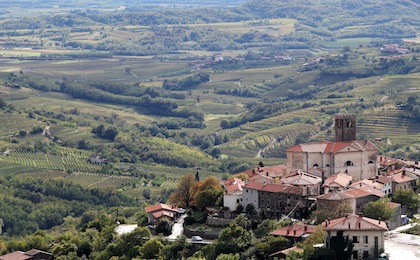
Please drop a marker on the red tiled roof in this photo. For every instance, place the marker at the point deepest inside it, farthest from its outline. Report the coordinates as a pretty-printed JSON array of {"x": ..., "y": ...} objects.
[
  {"x": 401, "y": 178},
  {"x": 232, "y": 188},
  {"x": 162, "y": 213},
  {"x": 354, "y": 223},
  {"x": 383, "y": 179},
  {"x": 296, "y": 230},
  {"x": 160, "y": 206},
  {"x": 275, "y": 188},
  {"x": 368, "y": 184},
  {"x": 393, "y": 204},
  {"x": 333, "y": 147},
  {"x": 363, "y": 192},
  {"x": 17, "y": 255},
  {"x": 287, "y": 251},
  {"x": 340, "y": 179}
]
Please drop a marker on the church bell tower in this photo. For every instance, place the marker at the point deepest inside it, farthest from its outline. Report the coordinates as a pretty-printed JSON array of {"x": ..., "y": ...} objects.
[{"x": 345, "y": 127}]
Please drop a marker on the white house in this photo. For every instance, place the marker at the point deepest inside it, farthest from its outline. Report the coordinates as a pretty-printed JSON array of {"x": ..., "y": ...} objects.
[
  {"x": 233, "y": 194},
  {"x": 366, "y": 234}
]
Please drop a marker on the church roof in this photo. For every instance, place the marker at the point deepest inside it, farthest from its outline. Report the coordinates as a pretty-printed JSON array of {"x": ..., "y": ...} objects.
[{"x": 333, "y": 147}]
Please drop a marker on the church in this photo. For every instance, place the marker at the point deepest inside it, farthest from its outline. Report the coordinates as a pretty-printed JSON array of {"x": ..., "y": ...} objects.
[{"x": 346, "y": 154}]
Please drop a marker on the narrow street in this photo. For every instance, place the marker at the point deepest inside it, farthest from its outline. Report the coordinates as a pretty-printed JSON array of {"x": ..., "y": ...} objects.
[{"x": 177, "y": 228}]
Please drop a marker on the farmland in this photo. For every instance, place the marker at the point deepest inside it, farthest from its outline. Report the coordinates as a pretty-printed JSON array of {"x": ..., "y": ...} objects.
[{"x": 160, "y": 95}]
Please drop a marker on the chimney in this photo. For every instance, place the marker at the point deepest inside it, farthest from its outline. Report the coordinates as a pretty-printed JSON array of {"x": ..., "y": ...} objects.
[
  {"x": 294, "y": 232},
  {"x": 287, "y": 232},
  {"x": 379, "y": 220},
  {"x": 253, "y": 171},
  {"x": 305, "y": 227},
  {"x": 403, "y": 173},
  {"x": 349, "y": 225},
  {"x": 266, "y": 174}
]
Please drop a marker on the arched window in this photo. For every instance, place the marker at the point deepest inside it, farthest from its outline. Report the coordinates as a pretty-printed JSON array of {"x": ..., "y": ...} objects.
[
  {"x": 348, "y": 163},
  {"x": 327, "y": 165},
  {"x": 370, "y": 162},
  {"x": 316, "y": 165}
]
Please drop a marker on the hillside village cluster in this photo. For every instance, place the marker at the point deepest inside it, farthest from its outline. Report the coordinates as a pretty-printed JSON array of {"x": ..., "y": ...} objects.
[{"x": 324, "y": 175}]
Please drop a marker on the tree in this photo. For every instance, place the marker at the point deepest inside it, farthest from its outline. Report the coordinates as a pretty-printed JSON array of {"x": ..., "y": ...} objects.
[
  {"x": 2, "y": 103},
  {"x": 163, "y": 227},
  {"x": 184, "y": 195},
  {"x": 406, "y": 197},
  {"x": 151, "y": 249},
  {"x": 250, "y": 209},
  {"x": 379, "y": 209},
  {"x": 342, "y": 246}
]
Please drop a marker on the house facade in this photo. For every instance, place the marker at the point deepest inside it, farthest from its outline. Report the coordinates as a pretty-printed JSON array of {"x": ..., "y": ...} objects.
[
  {"x": 273, "y": 200},
  {"x": 366, "y": 234}
]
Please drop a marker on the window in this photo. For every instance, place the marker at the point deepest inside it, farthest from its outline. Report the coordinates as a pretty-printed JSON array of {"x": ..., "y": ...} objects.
[
  {"x": 355, "y": 254},
  {"x": 348, "y": 163},
  {"x": 365, "y": 254},
  {"x": 365, "y": 239},
  {"x": 355, "y": 239},
  {"x": 247, "y": 191},
  {"x": 316, "y": 165},
  {"x": 370, "y": 162},
  {"x": 268, "y": 202},
  {"x": 327, "y": 165},
  {"x": 237, "y": 200},
  {"x": 262, "y": 202}
]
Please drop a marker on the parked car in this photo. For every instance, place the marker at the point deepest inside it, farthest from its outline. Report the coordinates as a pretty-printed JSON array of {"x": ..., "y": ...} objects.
[{"x": 196, "y": 238}]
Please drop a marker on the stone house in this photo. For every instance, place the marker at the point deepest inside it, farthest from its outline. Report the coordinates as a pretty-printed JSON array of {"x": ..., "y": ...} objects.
[
  {"x": 366, "y": 234},
  {"x": 273, "y": 200},
  {"x": 305, "y": 180},
  {"x": 403, "y": 180},
  {"x": 329, "y": 202},
  {"x": 395, "y": 220},
  {"x": 362, "y": 196}
]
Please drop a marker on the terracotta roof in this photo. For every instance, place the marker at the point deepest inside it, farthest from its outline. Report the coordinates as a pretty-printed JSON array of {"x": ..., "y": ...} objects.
[
  {"x": 367, "y": 183},
  {"x": 301, "y": 178},
  {"x": 296, "y": 230},
  {"x": 401, "y": 178},
  {"x": 354, "y": 223},
  {"x": 383, "y": 179},
  {"x": 335, "y": 195},
  {"x": 160, "y": 206},
  {"x": 162, "y": 213},
  {"x": 333, "y": 147},
  {"x": 17, "y": 255},
  {"x": 287, "y": 251},
  {"x": 393, "y": 204},
  {"x": 275, "y": 188},
  {"x": 233, "y": 188},
  {"x": 339, "y": 180},
  {"x": 261, "y": 178},
  {"x": 275, "y": 170},
  {"x": 363, "y": 192}
]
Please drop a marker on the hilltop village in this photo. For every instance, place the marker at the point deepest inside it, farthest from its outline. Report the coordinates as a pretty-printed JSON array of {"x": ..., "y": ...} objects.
[{"x": 327, "y": 182}]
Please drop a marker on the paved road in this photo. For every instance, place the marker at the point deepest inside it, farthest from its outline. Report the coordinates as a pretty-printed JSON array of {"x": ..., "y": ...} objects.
[
  {"x": 177, "y": 228},
  {"x": 401, "y": 246}
]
